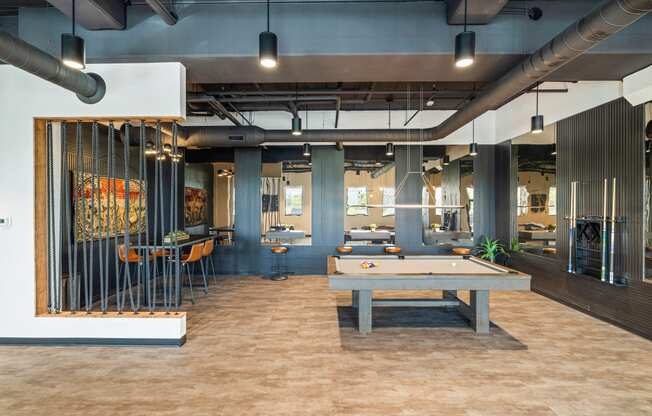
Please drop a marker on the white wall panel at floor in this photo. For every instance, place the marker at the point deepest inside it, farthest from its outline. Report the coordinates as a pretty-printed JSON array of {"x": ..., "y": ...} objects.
[{"x": 143, "y": 90}]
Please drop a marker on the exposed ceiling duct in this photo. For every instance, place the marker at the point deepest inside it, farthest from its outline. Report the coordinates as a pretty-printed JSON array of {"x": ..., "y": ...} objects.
[
  {"x": 479, "y": 12},
  {"x": 600, "y": 24},
  {"x": 95, "y": 14},
  {"x": 166, "y": 14},
  {"x": 89, "y": 87}
]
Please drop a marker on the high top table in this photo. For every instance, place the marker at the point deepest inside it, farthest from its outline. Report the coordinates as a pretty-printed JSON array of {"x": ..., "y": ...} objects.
[
  {"x": 175, "y": 247},
  {"x": 423, "y": 272}
]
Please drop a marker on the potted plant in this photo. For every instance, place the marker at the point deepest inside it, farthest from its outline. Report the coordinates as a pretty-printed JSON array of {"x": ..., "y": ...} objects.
[
  {"x": 515, "y": 246},
  {"x": 490, "y": 249}
]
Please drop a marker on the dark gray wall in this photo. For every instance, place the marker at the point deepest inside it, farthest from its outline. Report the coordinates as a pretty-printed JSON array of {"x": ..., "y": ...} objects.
[
  {"x": 409, "y": 226},
  {"x": 603, "y": 142},
  {"x": 328, "y": 191}
]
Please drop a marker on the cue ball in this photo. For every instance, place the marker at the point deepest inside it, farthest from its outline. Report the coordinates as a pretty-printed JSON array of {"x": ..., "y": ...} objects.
[{"x": 453, "y": 264}]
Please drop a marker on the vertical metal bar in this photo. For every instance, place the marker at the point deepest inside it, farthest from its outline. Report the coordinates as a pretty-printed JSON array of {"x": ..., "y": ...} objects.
[
  {"x": 109, "y": 157},
  {"x": 50, "y": 216},
  {"x": 97, "y": 193},
  {"x": 612, "y": 250},
  {"x": 92, "y": 215},
  {"x": 140, "y": 222},
  {"x": 65, "y": 205},
  {"x": 177, "y": 272},
  {"x": 116, "y": 242},
  {"x": 603, "y": 266},
  {"x": 82, "y": 217},
  {"x": 150, "y": 305},
  {"x": 127, "y": 238},
  {"x": 166, "y": 285},
  {"x": 74, "y": 302},
  {"x": 173, "y": 228},
  {"x": 157, "y": 146}
]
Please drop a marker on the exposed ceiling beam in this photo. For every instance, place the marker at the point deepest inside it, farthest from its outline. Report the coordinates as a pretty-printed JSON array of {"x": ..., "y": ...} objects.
[
  {"x": 480, "y": 12},
  {"x": 95, "y": 14}
]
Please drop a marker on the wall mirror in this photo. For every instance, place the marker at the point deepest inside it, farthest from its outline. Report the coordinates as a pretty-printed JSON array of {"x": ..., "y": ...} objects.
[
  {"x": 286, "y": 189},
  {"x": 369, "y": 180},
  {"x": 536, "y": 193},
  {"x": 448, "y": 194},
  {"x": 224, "y": 202}
]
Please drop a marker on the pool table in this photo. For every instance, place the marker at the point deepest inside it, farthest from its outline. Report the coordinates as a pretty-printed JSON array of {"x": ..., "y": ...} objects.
[{"x": 364, "y": 274}]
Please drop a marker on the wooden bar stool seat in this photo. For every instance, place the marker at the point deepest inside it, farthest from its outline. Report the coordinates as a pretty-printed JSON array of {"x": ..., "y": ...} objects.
[
  {"x": 344, "y": 249},
  {"x": 461, "y": 251},
  {"x": 392, "y": 250}
]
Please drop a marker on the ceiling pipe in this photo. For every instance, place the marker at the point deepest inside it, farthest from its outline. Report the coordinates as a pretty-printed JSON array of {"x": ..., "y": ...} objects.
[
  {"x": 166, "y": 14},
  {"x": 89, "y": 87},
  {"x": 598, "y": 25}
]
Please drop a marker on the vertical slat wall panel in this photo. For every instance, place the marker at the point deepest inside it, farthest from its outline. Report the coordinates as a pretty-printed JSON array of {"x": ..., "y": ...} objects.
[
  {"x": 327, "y": 195},
  {"x": 248, "y": 167},
  {"x": 606, "y": 141},
  {"x": 484, "y": 205}
]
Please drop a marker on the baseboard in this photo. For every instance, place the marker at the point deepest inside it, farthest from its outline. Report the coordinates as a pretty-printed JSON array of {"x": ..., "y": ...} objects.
[{"x": 108, "y": 342}]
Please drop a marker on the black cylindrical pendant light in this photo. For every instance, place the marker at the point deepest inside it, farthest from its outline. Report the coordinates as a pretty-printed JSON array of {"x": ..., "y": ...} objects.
[
  {"x": 306, "y": 149},
  {"x": 464, "y": 45},
  {"x": 473, "y": 147},
  {"x": 73, "y": 51},
  {"x": 554, "y": 149},
  {"x": 389, "y": 149},
  {"x": 296, "y": 125},
  {"x": 447, "y": 160},
  {"x": 268, "y": 46}
]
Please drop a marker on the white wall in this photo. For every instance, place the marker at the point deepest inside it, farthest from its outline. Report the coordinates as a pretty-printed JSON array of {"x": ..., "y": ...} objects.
[
  {"x": 142, "y": 90},
  {"x": 637, "y": 87}
]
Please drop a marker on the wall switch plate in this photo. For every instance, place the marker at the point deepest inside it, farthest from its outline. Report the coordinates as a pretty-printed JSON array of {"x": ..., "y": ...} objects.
[{"x": 5, "y": 222}]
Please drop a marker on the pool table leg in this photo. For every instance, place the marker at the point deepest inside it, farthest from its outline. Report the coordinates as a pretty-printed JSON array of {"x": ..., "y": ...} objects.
[
  {"x": 480, "y": 311},
  {"x": 355, "y": 294},
  {"x": 364, "y": 311}
]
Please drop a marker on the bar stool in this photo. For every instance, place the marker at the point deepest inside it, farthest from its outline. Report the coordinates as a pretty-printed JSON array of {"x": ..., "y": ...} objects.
[
  {"x": 279, "y": 263},
  {"x": 207, "y": 253},
  {"x": 392, "y": 250},
  {"x": 192, "y": 258},
  {"x": 344, "y": 250},
  {"x": 131, "y": 257},
  {"x": 461, "y": 251}
]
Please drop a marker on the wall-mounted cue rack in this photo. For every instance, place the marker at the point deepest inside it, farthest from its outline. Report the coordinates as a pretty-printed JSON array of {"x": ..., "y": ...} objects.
[{"x": 592, "y": 239}]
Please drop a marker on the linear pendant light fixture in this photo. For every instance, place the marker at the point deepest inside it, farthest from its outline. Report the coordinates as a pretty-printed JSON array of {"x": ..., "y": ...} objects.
[
  {"x": 268, "y": 46},
  {"x": 465, "y": 45},
  {"x": 73, "y": 51},
  {"x": 389, "y": 149},
  {"x": 536, "y": 126},
  {"x": 296, "y": 120},
  {"x": 473, "y": 147}
]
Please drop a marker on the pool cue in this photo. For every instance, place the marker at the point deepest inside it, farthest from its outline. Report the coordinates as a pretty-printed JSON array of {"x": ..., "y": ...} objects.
[
  {"x": 603, "y": 268},
  {"x": 613, "y": 232},
  {"x": 571, "y": 226}
]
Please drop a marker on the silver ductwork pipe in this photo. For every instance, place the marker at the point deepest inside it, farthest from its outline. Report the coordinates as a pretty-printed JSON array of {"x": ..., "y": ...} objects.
[
  {"x": 600, "y": 24},
  {"x": 89, "y": 87}
]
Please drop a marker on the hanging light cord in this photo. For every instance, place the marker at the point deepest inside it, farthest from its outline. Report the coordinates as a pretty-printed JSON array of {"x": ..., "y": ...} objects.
[
  {"x": 537, "y": 98},
  {"x": 73, "y": 17},
  {"x": 268, "y": 15},
  {"x": 465, "y": 10},
  {"x": 473, "y": 130}
]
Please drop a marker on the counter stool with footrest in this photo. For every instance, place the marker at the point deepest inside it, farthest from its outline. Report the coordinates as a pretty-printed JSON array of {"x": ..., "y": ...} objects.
[{"x": 279, "y": 263}]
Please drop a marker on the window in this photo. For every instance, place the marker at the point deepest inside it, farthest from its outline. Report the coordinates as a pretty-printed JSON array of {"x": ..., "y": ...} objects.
[
  {"x": 388, "y": 199},
  {"x": 523, "y": 200},
  {"x": 356, "y": 201},
  {"x": 294, "y": 200},
  {"x": 552, "y": 200}
]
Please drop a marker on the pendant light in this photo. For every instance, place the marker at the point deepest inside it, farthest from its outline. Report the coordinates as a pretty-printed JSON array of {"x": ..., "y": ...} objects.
[
  {"x": 473, "y": 147},
  {"x": 150, "y": 149},
  {"x": 389, "y": 149},
  {"x": 537, "y": 119},
  {"x": 306, "y": 150},
  {"x": 447, "y": 160},
  {"x": 268, "y": 46},
  {"x": 464, "y": 45},
  {"x": 73, "y": 52},
  {"x": 296, "y": 120}
]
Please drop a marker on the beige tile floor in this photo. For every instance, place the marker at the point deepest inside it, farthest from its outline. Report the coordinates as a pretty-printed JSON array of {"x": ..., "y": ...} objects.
[{"x": 257, "y": 347}]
